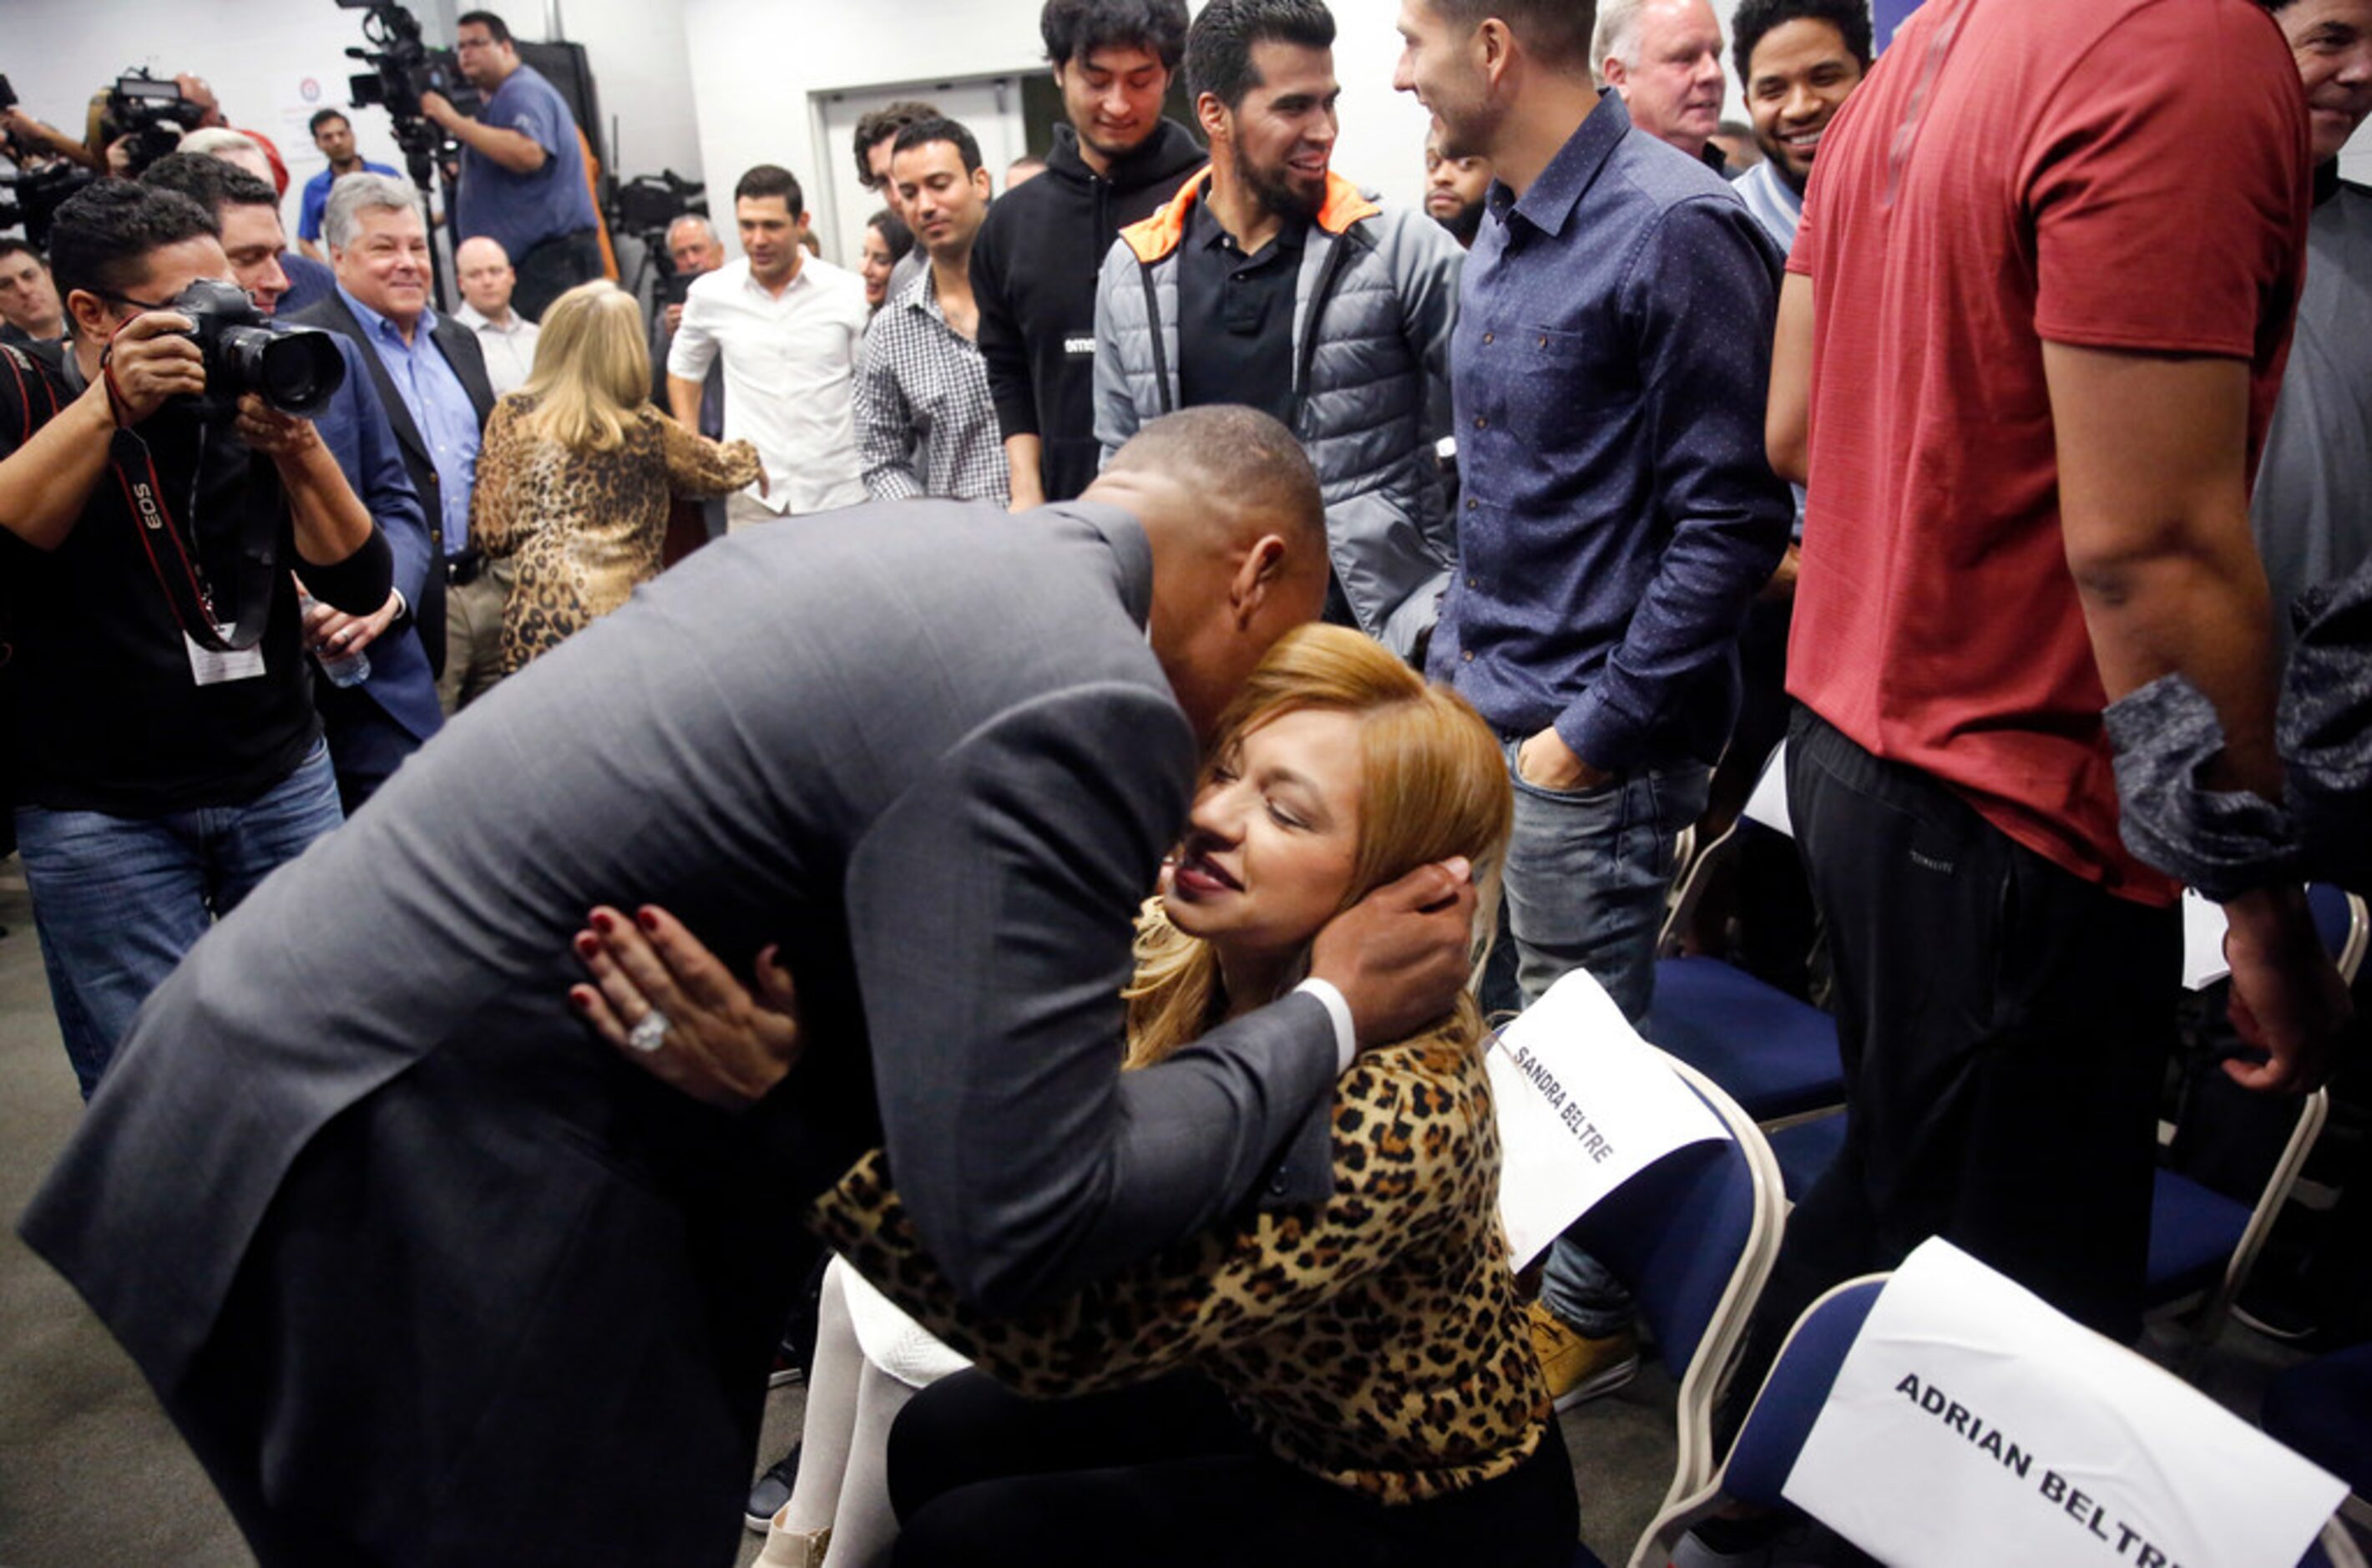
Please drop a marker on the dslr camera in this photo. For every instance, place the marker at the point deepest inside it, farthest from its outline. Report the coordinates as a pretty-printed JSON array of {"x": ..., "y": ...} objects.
[
  {"x": 294, "y": 369},
  {"x": 32, "y": 195}
]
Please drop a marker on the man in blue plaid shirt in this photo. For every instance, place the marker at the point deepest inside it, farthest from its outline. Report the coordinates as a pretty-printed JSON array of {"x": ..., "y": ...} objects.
[{"x": 926, "y": 423}]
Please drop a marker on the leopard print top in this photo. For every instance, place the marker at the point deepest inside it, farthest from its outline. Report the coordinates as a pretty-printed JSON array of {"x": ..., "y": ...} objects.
[
  {"x": 585, "y": 527},
  {"x": 1375, "y": 1341}
]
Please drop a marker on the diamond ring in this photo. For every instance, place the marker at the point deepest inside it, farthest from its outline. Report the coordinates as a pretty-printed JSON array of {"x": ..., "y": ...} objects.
[{"x": 649, "y": 1032}]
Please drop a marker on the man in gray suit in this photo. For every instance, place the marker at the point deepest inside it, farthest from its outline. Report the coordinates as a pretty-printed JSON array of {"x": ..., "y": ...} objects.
[{"x": 427, "y": 1274}]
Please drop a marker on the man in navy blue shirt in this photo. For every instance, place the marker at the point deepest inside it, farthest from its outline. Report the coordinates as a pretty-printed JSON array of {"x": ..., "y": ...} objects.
[
  {"x": 1608, "y": 371},
  {"x": 522, "y": 167}
]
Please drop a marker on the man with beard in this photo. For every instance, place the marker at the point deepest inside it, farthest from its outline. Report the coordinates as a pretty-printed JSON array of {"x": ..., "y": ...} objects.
[
  {"x": 1617, "y": 515},
  {"x": 1308, "y": 301},
  {"x": 1454, "y": 188},
  {"x": 1033, "y": 264},
  {"x": 1800, "y": 60}
]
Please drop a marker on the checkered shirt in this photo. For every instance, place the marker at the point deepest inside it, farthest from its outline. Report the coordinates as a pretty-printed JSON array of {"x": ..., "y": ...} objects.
[{"x": 925, "y": 424}]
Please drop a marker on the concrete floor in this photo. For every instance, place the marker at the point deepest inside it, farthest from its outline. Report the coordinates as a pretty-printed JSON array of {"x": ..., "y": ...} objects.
[{"x": 91, "y": 1472}]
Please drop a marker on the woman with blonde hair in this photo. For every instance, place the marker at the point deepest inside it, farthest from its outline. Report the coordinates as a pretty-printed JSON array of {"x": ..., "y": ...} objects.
[
  {"x": 576, "y": 468},
  {"x": 1350, "y": 1380}
]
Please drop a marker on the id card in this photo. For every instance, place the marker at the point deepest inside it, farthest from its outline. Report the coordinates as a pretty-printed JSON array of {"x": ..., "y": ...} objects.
[{"x": 210, "y": 667}]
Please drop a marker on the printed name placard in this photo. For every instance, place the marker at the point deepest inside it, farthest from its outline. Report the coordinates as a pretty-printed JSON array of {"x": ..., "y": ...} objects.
[
  {"x": 1584, "y": 1104},
  {"x": 1973, "y": 1425},
  {"x": 1768, "y": 804}
]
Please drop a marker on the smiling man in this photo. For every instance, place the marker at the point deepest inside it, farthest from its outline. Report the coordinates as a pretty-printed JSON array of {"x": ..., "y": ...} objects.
[
  {"x": 788, "y": 328},
  {"x": 1272, "y": 281},
  {"x": 1454, "y": 189},
  {"x": 1800, "y": 60},
  {"x": 1034, "y": 265},
  {"x": 1664, "y": 57}
]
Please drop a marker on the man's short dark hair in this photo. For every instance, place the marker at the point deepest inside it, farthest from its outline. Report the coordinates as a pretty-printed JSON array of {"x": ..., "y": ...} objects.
[
  {"x": 102, "y": 237},
  {"x": 1755, "y": 18},
  {"x": 771, "y": 180},
  {"x": 1076, "y": 28},
  {"x": 922, "y": 133},
  {"x": 1556, "y": 30},
  {"x": 494, "y": 26},
  {"x": 1219, "y": 45},
  {"x": 210, "y": 183},
  {"x": 322, "y": 117},
  {"x": 12, "y": 246},
  {"x": 886, "y": 121}
]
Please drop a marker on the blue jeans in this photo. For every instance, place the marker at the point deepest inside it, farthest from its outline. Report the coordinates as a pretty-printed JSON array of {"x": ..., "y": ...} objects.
[
  {"x": 1588, "y": 872},
  {"x": 118, "y": 899}
]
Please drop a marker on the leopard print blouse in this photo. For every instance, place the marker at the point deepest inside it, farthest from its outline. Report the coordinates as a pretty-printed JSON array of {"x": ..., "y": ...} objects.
[
  {"x": 1375, "y": 1341},
  {"x": 585, "y": 527}
]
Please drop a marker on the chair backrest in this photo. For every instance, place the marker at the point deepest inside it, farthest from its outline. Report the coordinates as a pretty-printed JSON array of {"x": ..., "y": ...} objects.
[
  {"x": 1693, "y": 1236},
  {"x": 2339, "y": 919}
]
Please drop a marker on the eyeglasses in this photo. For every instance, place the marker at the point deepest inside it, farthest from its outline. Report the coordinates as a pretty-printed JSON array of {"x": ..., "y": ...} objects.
[{"x": 135, "y": 303}]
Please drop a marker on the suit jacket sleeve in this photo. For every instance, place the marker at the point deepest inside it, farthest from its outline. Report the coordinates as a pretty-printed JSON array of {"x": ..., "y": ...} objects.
[
  {"x": 379, "y": 476},
  {"x": 991, "y": 909}
]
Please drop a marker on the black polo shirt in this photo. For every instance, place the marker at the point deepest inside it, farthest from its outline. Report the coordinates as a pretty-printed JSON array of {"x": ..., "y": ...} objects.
[
  {"x": 109, "y": 713},
  {"x": 1234, "y": 316}
]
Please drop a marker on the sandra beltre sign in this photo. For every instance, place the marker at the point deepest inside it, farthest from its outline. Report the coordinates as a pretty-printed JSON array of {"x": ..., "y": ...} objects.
[{"x": 1972, "y": 1425}]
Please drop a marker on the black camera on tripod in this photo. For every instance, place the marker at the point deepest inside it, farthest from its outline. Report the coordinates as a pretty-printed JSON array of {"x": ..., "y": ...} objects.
[
  {"x": 402, "y": 67},
  {"x": 294, "y": 369}
]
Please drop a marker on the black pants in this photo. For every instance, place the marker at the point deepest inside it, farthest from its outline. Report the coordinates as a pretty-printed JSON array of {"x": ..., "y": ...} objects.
[
  {"x": 1164, "y": 1473},
  {"x": 552, "y": 267},
  {"x": 2004, "y": 1028}
]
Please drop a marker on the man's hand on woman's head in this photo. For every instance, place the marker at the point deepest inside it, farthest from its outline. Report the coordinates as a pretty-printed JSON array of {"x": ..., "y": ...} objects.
[
  {"x": 714, "y": 1041},
  {"x": 1400, "y": 954}
]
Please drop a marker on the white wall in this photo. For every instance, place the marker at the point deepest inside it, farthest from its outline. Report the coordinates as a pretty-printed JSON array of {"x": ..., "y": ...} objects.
[{"x": 641, "y": 63}]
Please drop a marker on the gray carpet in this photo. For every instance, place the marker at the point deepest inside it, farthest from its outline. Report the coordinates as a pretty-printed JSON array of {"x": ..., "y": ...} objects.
[{"x": 90, "y": 1472}]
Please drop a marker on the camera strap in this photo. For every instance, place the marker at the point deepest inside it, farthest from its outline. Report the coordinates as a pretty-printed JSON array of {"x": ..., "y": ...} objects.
[{"x": 173, "y": 553}]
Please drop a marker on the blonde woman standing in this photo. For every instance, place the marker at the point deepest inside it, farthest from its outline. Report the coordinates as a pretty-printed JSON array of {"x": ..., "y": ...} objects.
[{"x": 577, "y": 469}]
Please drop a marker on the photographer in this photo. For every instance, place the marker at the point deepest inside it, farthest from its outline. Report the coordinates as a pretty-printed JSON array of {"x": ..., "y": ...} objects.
[
  {"x": 522, "y": 167},
  {"x": 168, "y": 752}
]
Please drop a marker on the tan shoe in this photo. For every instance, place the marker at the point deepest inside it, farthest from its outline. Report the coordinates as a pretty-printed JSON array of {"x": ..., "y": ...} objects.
[
  {"x": 1577, "y": 1366},
  {"x": 792, "y": 1548}
]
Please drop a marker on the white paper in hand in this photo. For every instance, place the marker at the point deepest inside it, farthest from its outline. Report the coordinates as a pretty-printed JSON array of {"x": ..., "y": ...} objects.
[
  {"x": 2204, "y": 925},
  {"x": 1584, "y": 1104},
  {"x": 1971, "y": 1425}
]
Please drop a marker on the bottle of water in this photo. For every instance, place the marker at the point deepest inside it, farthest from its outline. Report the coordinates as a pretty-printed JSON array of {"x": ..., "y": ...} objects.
[{"x": 344, "y": 669}]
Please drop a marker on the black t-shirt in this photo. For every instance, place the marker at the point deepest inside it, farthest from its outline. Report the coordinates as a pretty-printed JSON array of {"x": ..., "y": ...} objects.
[
  {"x": 110, "y": 714},
  {"x": 1240, "y": 347}
]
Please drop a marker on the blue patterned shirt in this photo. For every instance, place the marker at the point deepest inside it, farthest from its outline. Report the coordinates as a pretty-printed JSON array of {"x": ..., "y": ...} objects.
[{"x": 1618, "y": 515}]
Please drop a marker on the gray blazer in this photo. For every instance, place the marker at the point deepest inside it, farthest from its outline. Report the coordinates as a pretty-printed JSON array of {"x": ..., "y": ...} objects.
[{"x": 426, "y": 1275}]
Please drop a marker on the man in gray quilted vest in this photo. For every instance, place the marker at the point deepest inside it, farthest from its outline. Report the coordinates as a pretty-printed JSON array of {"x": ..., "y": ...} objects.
[{"x": 1299, "y": 295}]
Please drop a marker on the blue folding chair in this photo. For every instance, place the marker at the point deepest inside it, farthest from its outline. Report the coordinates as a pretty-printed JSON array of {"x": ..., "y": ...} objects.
[
  {"x": 2323, "y": 1408},
  {"x": 1790, "y": 1403},
  {"x": 1776, "y": 1056}
]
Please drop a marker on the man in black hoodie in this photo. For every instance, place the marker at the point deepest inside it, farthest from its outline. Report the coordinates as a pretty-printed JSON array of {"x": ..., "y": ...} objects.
[{"x": 1034, "y": 265}]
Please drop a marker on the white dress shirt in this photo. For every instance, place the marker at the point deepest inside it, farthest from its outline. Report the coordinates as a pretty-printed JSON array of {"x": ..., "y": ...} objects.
[
  {"x": 790, "y": 374},
  {"x": 509, "y": 348}
]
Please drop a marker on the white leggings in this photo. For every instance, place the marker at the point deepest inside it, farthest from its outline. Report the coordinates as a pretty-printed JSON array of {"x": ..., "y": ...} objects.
[{"x": 843, "y": 1481}]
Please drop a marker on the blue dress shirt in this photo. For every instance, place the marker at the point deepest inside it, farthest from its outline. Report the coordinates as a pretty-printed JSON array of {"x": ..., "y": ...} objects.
[
  {"x": 1617, "y": 514},
  {"x": 438, "y": 404}
]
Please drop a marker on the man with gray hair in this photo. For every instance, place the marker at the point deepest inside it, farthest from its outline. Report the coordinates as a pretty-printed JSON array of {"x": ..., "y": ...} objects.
[
  {"x": 694, "y": 249},
  {"x": 1664, "y": 58},
  {"x": 431, "y": 376}
]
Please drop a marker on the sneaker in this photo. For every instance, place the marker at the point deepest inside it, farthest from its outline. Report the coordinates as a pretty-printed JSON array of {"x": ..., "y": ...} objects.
[
  {"x": 1578, "y": 1366},
  {"x": 785, "y": 1368},
  {"x": 773, "y": 1490}
]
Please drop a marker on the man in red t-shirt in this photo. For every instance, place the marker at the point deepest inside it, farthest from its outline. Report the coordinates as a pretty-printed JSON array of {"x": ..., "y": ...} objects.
[{"x": 2034, "y": 323}]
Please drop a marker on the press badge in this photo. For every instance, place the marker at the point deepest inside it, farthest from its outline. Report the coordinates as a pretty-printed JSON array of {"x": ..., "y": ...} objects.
[{"x": 214, "y": 667}]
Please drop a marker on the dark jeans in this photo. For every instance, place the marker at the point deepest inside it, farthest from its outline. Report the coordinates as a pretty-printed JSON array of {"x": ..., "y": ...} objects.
[
  {"x": 552, "y": 267},
  {"x": 2004, "y": 1027},
  {"x": 1164, "y": 1473}
]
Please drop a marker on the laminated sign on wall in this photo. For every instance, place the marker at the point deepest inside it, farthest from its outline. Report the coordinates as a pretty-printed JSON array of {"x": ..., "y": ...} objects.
[
  {"x": 1584, "y": 1104},
  {"x": 1973, "y": 1425}
]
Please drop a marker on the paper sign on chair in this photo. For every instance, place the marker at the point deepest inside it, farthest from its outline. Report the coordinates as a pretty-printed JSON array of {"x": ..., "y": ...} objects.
[
  {"x": 1972, "y": 1424},
  {"x": 1584, "y": 1104}
]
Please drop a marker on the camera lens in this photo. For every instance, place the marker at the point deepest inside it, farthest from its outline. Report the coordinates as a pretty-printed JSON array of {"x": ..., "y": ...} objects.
[{"x": 295, "y": 371}]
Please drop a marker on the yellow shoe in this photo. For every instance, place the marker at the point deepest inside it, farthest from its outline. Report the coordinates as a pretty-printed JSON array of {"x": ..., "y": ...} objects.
[
  {"x": 1577, "y": 1366},
  {"x": 787, "y": 1548}
]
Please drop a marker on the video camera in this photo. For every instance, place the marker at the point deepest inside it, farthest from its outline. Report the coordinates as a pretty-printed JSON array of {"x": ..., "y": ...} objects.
[
  {"x": 151, "y": 112},
  {"x": 31, "y": 196},
  {"x": 401, "y": 68}
]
